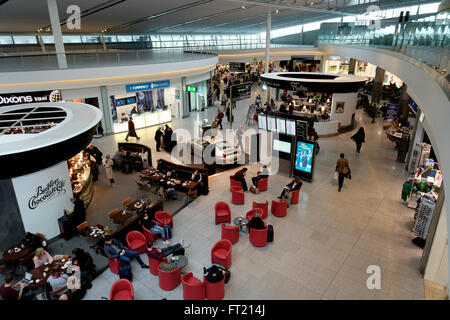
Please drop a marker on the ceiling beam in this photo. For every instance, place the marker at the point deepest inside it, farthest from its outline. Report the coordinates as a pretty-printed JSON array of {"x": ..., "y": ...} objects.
[{"x": 280, "y": 5}]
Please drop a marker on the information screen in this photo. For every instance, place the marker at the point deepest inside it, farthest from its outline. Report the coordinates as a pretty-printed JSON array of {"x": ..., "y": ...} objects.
[
  {"x": 262, "y": 121},
  {"x": 290, "y": 127},
  {"x": 304, "y": 159},
  {"x": 281, "y": 125},
  {"x": 281, "y": 146},
  {"x": 271, "y": 124}
]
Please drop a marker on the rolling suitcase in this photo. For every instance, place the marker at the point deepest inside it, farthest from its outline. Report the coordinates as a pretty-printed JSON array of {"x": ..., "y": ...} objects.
[
  {"x": 125, "y": 272},
  {"x": 270, "y": 233}
]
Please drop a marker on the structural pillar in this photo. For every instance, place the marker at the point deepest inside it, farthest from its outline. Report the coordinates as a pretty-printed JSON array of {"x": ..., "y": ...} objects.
[
  {"x": 377, "y": 85},
  {"x": 57, "y": 34},
  {"x": 104, "y": 44},
  {"x": 42, "y": 44},
  {"x": 403, "y": 103},
  {"x": 352, "y": 66},
  {"x": 268, "y": 28}
]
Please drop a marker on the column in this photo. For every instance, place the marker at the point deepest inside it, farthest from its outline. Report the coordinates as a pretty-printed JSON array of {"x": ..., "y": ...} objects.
[
  {"x": 185, "y": 98},
  {"x": 403, "y": 103},
  {"x": 352, "y": 66},
  {"x": 106, "y": 111},
  {"x": 57, "y": 34},
  {"x": 268, "y": 28},
  {"x": 104, "y": 44},
  {"x": 42, "y": 44},
  {"x": 377, "y": 84}
]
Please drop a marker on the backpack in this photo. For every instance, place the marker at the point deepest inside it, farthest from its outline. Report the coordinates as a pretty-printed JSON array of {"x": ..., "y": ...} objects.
[
  {"x": 125, "y": 272},
  {"x": 270, "y": 233}
]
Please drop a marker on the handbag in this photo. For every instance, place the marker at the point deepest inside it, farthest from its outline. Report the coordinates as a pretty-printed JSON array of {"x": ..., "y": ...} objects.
[
  {"x": 346, "y": 171},
  {"x": 336, "y": 175}
]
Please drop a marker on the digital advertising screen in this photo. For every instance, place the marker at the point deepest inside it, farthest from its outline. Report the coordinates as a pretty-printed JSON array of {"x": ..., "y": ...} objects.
[
  {"x": 271, "y": 124},
  {"x": 281, "y": 146},
  {"x": 290, "y": 127},
  {"x": 281, "y": 125},
  {"x": 262, "y": 121},
  {"x": 304, "y": 159}
]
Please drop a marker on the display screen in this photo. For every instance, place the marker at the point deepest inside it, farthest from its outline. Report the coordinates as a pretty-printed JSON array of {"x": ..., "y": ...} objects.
[
  {"x": 131, "y": 100},
  {"x": 281, "y": 125},
  {"x": 271, "y": 124},
  {"x": 120, "y": 102},
  {"x": 281, "y": 146},
  {"x": 304, "y": 156},
  {"x": 262, "y": 122},
  {"x": 290, "y": 127}
]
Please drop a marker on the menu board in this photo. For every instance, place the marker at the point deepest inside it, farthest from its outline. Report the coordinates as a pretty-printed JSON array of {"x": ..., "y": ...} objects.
[
  {"x": 262, "y": 121},
  {"x": 237, "y": 66},
  {"x": 301, "y": 130},
  {"x": 241, "y": 91},
  {"x": 281, "y": 125},
  {"x": 271, "y": 123},
  {"x": 290, "y": 127}
]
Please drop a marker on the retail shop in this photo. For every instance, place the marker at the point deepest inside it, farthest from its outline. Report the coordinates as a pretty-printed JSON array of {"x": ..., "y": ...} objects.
[{"x": 199, "y": 92}]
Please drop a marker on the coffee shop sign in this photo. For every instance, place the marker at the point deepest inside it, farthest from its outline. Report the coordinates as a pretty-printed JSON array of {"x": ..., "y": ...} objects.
[{"x": 53, "y": 189}]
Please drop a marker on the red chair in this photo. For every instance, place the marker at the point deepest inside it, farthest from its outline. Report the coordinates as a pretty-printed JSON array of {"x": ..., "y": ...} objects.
[
  {"x": 237, "y": 196},
  {"x": 279, "y": 208},
  {"x": 150, "y": 236},
  {"x": 263, "y": 184},
  {"x": 214, "y": 290},
  {"x": 221, "y": 253},
  {"x": 114, "y": 265},
  {"x": 169, "y": 280},
  {"x": 222, "y": 212},
  {"x": 252, "y": 212},
  {"x": 235, "y": 184},
  {"x": 264, "y": 206},
  {"x": 136, "y": 241},
  {"x": 153, "y": 265},
  {"x": 163, "y": 218},
  {"x": 294, "y": 196},
  {"x": 230, "y": 233},
  {"x": 258, "y": 237},
  {"x": 122, "y": 289},
  {"x": 193, "y": 288}
]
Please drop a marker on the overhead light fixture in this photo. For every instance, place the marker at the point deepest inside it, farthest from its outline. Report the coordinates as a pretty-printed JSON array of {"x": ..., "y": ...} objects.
[
  {"x": 277, "y": 11},
  {"x": 243, "y": 7},
  {"x": 311, "y": 4}
]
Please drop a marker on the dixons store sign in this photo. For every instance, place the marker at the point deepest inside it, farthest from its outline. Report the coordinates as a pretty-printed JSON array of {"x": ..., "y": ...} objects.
[{"x": 29, "y": 97}]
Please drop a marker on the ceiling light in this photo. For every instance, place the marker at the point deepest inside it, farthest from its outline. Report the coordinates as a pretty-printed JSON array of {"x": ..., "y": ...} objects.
[
  {"x": 311, "y": 4},
  {"x": 243, "y": 7},
  {"x": 277, "y": 11}
]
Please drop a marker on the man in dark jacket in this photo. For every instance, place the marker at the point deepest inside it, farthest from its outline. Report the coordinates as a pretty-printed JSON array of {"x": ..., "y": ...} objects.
[
  {"x": 131, "y": 130},
  {"x": 256, "y": 222},
  {"x": 159, "y": 253},
  {"x": 240, "y": 176},
  {"x": 219, "y": 118},
  {"x": 114, "y": 250},
  {"x": 79, "y": 211},
  {"x": 158, "y": 135}
]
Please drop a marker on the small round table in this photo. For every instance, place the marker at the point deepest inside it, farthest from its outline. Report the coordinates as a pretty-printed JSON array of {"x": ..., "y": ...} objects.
[
  {"x": 16, "y": 252},
  {"x": 242, "y": 223},
  {"x": 181, "y": 263}
]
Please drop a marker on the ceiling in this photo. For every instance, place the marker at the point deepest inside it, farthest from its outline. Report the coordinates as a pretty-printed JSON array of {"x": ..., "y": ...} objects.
[{"x": 175, "y": 16}]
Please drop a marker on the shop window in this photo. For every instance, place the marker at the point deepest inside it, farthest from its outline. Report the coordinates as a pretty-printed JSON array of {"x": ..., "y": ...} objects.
[{"x": 25, "y": 39}]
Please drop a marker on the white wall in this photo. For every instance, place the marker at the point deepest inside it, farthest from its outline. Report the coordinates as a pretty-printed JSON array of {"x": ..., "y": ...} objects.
[
  {"x": 43, "y": 217},
  {"x": 350, "y": 100}
]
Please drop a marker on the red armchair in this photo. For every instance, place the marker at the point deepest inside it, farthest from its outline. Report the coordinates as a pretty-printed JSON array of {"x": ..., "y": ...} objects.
[
  {"x": 114, "y": 265},
  {"x": 234, "y": 184},
  {"x": 222, "y": 212},
  {"x": 169, "y": 280},
  {"x": 153, "y": 265},
  {"x": 237, "y": 196},
  {"x": 294, "y": 196},
  {"x": 252, "y": 212},
  {"x": 230, "y": 233},
  {"x": 258, "y": 237},
  {"x": 279, "y": 208},
  {"x": 163, "y": 218},
  {"x": 263, "y": 184},
  {"x": 193, "y": 288},
  {"x": 150, "y": 236},
  {"x": 136, "y": 241},
  {"x": 264, "y": 206},
  {"x": 221, "y": 253},
  {"x": 122, "y": 289},
  {"x": 214, "y": 290}
]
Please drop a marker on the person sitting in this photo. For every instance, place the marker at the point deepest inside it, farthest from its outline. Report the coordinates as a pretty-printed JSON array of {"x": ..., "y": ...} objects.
[
  {"x": 197, "y": 177},
  {"x": 240, "y": 176},
  {"x": 114, "y": 250},
  {"x": 295, "y": 184},
  {"x": 160, "y": 166},
  {"x": 166, "y": 190},
  {"x": 57, "y": 281},
  {"x": 84, "y": 260},
  {"x": 256, "y": 222},
  {"x": 41, "y": 257},
  {"x": 214, "y": 274},
  {"x": 118, "y": 156},
  {"x": 9, "y": 293},
  {"x": 133, "y": 111},
  {"x": 159, "y": 253},
  {"x": 144, "y": 158},
  {"x": 33, "y": 241},
  {"x": 283, "y": 107},
  {"x": 171, "y": 174},
  {"x": 154, "y": 227},
  {"x": 264, "y": 173}
]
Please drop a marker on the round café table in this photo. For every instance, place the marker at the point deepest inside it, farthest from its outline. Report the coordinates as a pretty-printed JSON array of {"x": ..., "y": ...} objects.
[
  {"x": 181, "y": 263},
  {"x": 16, "y": 252},
  {"x": 242, "y": 223}
]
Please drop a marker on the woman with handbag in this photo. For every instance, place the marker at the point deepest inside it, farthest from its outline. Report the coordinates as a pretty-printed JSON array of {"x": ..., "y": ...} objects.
[
  {"x": 342, "y": 169},
  {"x": 359, "y": 138}
]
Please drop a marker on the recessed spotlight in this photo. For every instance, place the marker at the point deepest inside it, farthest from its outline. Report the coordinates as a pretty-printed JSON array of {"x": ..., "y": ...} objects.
[
  {"x": 311, "y": 4},
  {"x": 277, "y": 11},
  {"x": 243, "y": 7}
]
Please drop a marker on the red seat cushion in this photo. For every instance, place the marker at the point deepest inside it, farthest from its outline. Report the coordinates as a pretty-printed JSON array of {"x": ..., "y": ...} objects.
[
  {"x": 137, "y": 243},
  {"x": 122, "y": 295},
  {"x": 221, "y": 253},
  {"x": 194, "y": 281},
  {"x": 222, "y": 213}
]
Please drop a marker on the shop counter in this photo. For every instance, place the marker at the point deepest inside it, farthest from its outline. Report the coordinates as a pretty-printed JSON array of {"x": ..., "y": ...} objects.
[
  {"x": 147, "y": 119},
  {"x": 326, "y": 128}
]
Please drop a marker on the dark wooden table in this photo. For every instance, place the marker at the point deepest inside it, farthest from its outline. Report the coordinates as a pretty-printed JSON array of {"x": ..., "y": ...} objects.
[
  {"x": 119, "y": 217},
  {"x": 135, "y": 205},
  {"x": 95, "y": 236},
  {"x": 189, "y": 184},
  {"x": 10, "y": 254}
]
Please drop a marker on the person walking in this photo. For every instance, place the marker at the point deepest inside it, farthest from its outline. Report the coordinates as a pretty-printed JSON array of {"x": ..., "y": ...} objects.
[
  {"x": 239, "y": 134},
  {"x": 359, "y": 138},
  {"x": 343, "y": 170},
  {"x": 158, "y": 135},
  {"x": 219, "y": 118},
  {"x": 109, "y": 170},
  {"x": 131, "y": 130}
]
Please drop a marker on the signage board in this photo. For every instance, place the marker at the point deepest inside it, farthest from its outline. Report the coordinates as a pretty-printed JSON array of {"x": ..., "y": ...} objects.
[
  {"x": 191, "y": 89},
  {"x": 237, "y": 66},
  {"x": 241, "y": 91},
  {"x": 9, "y": 99},
  {"x": 301, "y": 129},
  {"x": 147, "y": 86},
  {"x": 304, "y": 159}
]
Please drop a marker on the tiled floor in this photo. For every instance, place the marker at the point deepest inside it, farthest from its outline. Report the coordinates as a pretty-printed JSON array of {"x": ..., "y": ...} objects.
[{"x": 322, "y": 248}]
